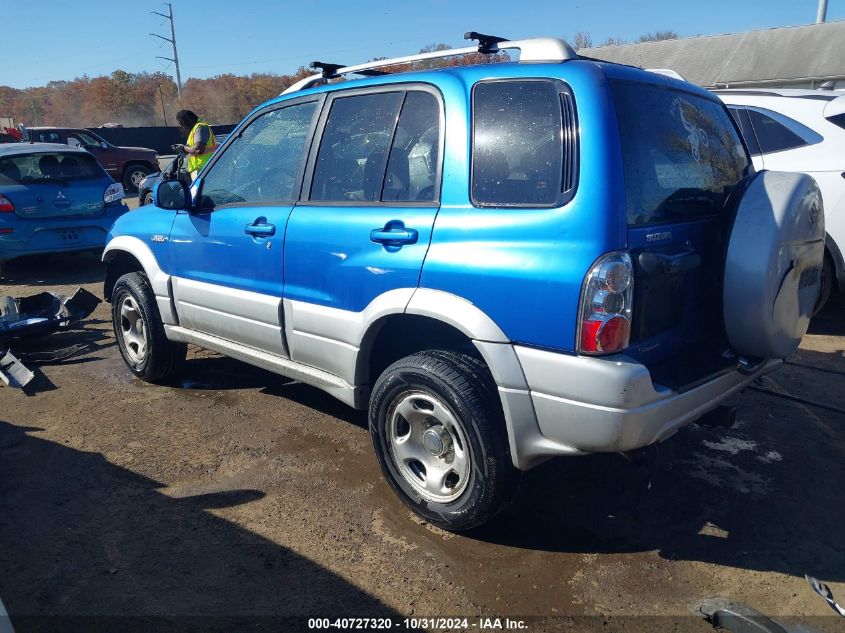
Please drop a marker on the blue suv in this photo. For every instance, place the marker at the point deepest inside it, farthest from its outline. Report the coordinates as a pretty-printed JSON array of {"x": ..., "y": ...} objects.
[{"x": 502, "y": 262}]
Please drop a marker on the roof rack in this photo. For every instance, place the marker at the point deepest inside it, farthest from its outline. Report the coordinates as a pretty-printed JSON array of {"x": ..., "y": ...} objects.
[{"x": 541, "y": 49}]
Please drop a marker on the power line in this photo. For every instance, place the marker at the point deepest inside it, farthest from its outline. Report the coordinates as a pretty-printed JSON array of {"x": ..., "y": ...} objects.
[{"x": 172, "y": 40}]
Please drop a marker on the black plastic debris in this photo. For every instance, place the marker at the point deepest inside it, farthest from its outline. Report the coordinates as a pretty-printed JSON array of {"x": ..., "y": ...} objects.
[{"x": 35, "y": 316}]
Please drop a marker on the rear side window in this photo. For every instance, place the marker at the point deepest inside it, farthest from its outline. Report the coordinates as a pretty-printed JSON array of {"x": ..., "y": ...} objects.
[
  {"x": 772, "y": 135},
  {"x": 353, "y": 152},
  {"x": 523, "y": 144},
  {"x": 48, "y": 167},
  {"x": 681, "y": 153}
]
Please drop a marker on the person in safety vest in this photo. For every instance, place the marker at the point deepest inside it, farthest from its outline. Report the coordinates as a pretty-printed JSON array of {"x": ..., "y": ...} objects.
[{"x": 200, "y": 144}]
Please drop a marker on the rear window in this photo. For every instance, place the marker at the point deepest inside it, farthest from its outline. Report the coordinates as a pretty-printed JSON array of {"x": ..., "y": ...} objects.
[
  {"x": 681, "y": 153},
  {"x": 48, "y": 167}
]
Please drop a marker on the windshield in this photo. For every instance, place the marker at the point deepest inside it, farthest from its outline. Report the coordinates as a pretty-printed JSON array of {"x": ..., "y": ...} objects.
[
  {"x": 48, "y": 167},
  {"x": 681, "y": 153}
]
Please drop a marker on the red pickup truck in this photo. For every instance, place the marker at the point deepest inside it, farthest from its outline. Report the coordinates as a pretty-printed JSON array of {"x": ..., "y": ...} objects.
[{"x": 129, "y": 165}]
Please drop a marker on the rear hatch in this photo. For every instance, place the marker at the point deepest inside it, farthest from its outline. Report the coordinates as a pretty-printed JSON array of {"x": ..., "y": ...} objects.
[
  {"x": 684, "y": 167},
  {"x": 54, "y": 184}
]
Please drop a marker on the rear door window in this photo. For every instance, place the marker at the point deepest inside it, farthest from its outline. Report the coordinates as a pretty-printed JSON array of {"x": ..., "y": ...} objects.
[
  {"x": 353, "y": 152},
  {"x": 523, "y": 143},
  {"x": 740, "y": 115},
  {"x": 681, "y": 153}
]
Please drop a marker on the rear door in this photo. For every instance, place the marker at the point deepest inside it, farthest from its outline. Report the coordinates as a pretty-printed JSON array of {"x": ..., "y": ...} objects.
[
  {"x": 682, "y": 160},
  {"x": 372, "y": 195},
  {"x": 227, "y": 254}
]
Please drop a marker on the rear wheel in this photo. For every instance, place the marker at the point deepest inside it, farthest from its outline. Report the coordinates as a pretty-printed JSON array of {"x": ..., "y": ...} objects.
[
  {"x": 133, "y": 175},
  {"x": 139, "y": 330},
  {"x": 825, "y": 284},
  {"x": 439, "y": 435}
]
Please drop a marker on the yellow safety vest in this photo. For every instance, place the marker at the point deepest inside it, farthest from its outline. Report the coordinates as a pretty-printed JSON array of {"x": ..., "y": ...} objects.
[{"x": 197, "y": 161}]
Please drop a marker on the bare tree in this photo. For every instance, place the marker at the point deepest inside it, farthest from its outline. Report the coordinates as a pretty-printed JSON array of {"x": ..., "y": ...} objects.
[
  {"x": 658, "y": 36},
  {"x": 583, "y": 40},
  {"x": 614, "y": 41}
]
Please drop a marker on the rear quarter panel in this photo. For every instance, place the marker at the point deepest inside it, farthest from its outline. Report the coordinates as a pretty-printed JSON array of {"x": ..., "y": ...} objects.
[{"x": 524, "y": 267}]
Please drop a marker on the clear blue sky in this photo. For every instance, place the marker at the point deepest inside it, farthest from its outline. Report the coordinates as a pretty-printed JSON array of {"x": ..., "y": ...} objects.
[{"x": 62, "y": 40}]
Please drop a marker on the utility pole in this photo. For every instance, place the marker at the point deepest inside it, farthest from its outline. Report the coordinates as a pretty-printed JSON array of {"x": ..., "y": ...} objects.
[
  {"x": 822, "y": 13},
  {"x": 163, "y": 111},
  {"x": 172, "y": 40}
]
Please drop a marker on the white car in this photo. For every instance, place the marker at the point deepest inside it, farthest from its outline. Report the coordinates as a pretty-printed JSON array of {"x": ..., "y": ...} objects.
[{"x": 802, "y": 131}]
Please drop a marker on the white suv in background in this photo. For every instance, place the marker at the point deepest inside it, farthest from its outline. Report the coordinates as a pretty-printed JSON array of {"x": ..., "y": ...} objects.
[{"x": 802, "y": 131}]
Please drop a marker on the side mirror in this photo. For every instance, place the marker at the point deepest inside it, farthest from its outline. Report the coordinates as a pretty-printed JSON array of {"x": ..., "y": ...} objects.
[{"x": 173, "y": 195}]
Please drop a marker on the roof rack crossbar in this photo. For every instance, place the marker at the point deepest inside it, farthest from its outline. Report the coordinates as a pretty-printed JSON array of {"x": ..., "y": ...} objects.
[{"x": 544, "y": 49}]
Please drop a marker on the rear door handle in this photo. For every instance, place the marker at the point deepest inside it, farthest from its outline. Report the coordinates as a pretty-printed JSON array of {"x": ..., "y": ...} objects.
[
  {"x": 394, "y": 234},
  {"x": 260, "y": 228}
]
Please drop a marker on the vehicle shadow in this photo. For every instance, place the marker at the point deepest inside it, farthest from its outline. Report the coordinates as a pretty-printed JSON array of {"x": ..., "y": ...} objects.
[
  {"x": 53, "y": 270},
  {"x": 88, "y": 544},
  {"x": 209, "y": 371}
]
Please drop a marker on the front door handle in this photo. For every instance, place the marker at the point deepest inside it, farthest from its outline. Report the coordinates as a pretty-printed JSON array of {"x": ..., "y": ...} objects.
[
  {"x": 394, "y": 234},
  {"x": 260, "y": 228}
]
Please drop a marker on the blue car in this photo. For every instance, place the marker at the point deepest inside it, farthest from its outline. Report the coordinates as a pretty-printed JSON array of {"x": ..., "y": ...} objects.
[
  {"x": 501, "y": 263},
  {"x": 54, "y": 198}
]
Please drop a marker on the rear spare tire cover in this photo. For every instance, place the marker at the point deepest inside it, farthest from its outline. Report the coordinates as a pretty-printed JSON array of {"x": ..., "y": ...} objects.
[{"x": 773, "y": 264}]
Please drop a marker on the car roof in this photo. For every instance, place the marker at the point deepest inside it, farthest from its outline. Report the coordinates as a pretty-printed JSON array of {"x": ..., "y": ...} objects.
[
  {"x": 795, "y": 93},
  {"x": 20, "y": 149},
  {"x": 473, "y": 73}
]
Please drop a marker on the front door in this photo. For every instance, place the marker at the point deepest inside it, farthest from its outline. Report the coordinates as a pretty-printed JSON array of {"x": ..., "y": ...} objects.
[
  {"x": 366, "y": 221},
  {"x": 227, "y": 254}
]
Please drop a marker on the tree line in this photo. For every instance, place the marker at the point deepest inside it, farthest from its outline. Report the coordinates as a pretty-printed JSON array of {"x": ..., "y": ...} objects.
[
  {"x": 141, "y": 99},
  {"x": 150, "y": 99}
]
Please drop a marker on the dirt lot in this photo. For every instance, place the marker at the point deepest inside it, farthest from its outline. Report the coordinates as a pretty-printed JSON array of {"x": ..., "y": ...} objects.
[{"x": 235, "y": 497}]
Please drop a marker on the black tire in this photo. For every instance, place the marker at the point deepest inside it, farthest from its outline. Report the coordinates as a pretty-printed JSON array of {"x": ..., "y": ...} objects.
[
  {"x": 464, "y": 385},
  {"x": 133, "y": 175},
  {"x": 826, "y": 283},
  {"x": 161, "y": 357},
  {"x": 147, "y": 199}
]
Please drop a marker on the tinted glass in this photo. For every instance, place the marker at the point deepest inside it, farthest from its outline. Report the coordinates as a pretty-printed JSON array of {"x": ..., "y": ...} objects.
[
  {"x": 48, "y": 167},
  {"x": 41, "y": 136},
  {"x": 264, "y": 163},
  {"x": 414, "y": 156},
  {"x": 681, "y": 153},
  {"x": 740, "y": 115},
  {"x": 517, "y": 154},
  {"x": 773, "y": 136},
  {"x": 353, "y": 152},
  {"x": 86, "y": 138}
]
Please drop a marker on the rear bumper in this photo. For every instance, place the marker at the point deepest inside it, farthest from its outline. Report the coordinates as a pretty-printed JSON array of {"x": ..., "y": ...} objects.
[
  {"x": 57, "y": 235},
  {"x": 589, "y": 405}
]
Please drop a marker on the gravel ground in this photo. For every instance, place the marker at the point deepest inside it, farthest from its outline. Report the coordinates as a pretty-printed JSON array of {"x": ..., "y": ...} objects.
[{"x": 238, "y": 497}]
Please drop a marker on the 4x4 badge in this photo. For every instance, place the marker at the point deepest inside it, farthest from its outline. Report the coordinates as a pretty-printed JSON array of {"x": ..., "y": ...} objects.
[{"x": 158, "y": 238}]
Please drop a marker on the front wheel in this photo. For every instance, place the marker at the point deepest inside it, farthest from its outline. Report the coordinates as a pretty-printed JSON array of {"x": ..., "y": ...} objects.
[
  {"x": 139, "y": 330},
  {"x": 439, "y": 435},
  {"x": 133, "y": 175}
]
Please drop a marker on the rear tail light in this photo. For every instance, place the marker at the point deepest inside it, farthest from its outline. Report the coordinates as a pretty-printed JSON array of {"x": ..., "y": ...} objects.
[
  {"x": 6, "y": 205},
  {"x": 604, "y": 325},
  {"x": 113, "y": 193}
]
